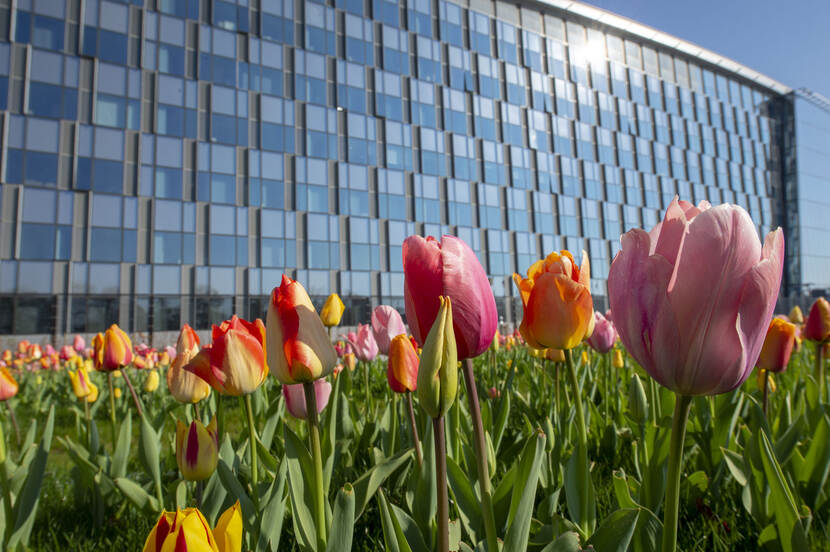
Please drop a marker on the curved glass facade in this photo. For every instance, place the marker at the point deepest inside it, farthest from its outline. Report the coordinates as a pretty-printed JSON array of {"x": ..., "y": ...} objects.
[{"x": 164, "y": 161}]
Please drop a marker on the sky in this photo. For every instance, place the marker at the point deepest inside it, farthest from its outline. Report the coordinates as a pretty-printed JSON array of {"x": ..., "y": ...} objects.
[{"x": 788, "y": 41}]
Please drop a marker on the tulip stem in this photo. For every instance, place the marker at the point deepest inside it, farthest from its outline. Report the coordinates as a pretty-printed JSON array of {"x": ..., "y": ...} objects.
[
  {"x": 418, "y": 455},
  {"x": 820, "y": 370},
  {"x": 317, "y": 458},
  {"x": 765, "y": 389},
  {"x": 481, "y": 459},
  {"x": 88, "y": 425},
  {"x": 583, "y": 472},
  {"x": 252, "y": 434},
  {"x": 14, "y": 423},
  {"x": 671, "y": 508},
  {"x": 441, "y": 484},
  {"x": 196, "y": 412},
  {"x": 368, "y": 390},
  {"x": 112, "y": 409},
  {"x": 132, "y": 392}
]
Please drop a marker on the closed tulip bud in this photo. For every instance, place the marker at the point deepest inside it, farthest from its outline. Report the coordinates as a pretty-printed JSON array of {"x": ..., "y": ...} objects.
[
  {"x": 332, "y": 311},
  {"x": 617, "y": 360},
  {"x": 228, "y": 531},
  {"x": 79, "y": 344},
  {"x": 8, "y": 385},
  {"x": 164, "y": 359},
  {"x": 449, "y": 269},
  {"x": 556, "y": 355},
  {"x": 438, "y": 370},
  {"x": 694, "y": 330},
  {"x": 604, "y": 335},
  {"x": 151, "y": 382},
  {"x": 299, "y": 349},
  {"x": 493, "y": 393},
  {"x": 294, "y": 395},
  {"x": 197, "y": 449},
  {"x": 23, "y": 347},
  {"x": 80, "y": 383},
  {"x": 637, "y": 400},
  {"x": 185, "y": 386},
  {"x": 778, "y": 346},
  {"x": 364, "y": 345},
  {"x": 116, "y": 374},
  {"x": 140, "y": 362},
  {"x": 93, "y": 393},
  {"x": 386, "y": 324},
  {"x": 182, "y": 531},
  {"x": 558, "y": 308},
  {"x": 817, "y": 327},
  {"x": 496, "y": 343},
  {"x": 402, "y": 368},
  {"x": 796, "y": 316},
  {"x": 116, "y": 350},
  {"x": 236, "y": 357},
  {"x": 117, "y": 393},
  {"x": 49, "y": 350},
  {"x": 350, "y": 361},
  {"x": 584, "y": 357}
]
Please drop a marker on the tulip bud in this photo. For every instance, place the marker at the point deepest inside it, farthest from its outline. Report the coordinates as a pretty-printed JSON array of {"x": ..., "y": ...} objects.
[
  {"x": 584, "y": 357},
  {"x": 93, "y": 393},
  {"x": 80, "y": 383},
  {"x": 151, "y": 383},
  {"x": 332, "y": 311},
  {"x": 295, "y": 398},
  {"x": 778, "y": 346},
  {"x": 617, "y": 360},
  {"x": 117, "y": 393},
  {"x": 494, "y": 346},
  {"x": 556, "y": 355},
  {"x": 438, "y": 370},
  {"x": 116, "y": 349},
  {"x": 197, "y": 449},
  {"x": 637, "y": 400},
  {"x": 8, "y": 385},
  {"x": 350, "y": 361},
  {"x": 79, "y": 344},
  {"x": 817, "y": 327},
  {"x": 186, "y": 386},
  {"x": 402, "y": 368},
  {"x": 228, "y": 532},
  {"x": 764, "y": 374},
  {"x": 364, "y": 344},
  {"x": 796, "y": 316},
  {"x": 494, "y": 393}
]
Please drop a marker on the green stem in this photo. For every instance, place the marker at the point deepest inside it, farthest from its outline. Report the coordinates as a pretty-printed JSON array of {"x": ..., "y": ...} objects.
[
  {"x": 394, "y": 438},
  {"x": 583, "y": 472},
  {"x": 820, "y": 370},
  {"x": 317, "y": 458},
  {"x": 112, "y": 409},
  {"x": 682, "y": 406},
  {"x": 220, "y": 416},
  {"x": 481, "y": 459},
  {"x": 412, "y": 423},
  {"x": 14, "y": 423},
  {"x": 368, "y": 390},
  {"x": 252, "y": 434},
  {"x": 765, "y": 389},
  {"x": 88, "y": 425},
  {"x": 441, "y": 484}
]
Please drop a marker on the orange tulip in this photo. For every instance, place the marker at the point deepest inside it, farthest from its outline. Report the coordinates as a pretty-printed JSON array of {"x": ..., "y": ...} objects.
[
  {"x": 402, "y": 368},
  {"x": 817, "y": 327},
  {"x": 778, "y": 346},
  {"x": 8, "y": 385},
  {"x": 350, "y": 360},
  {"x": 558, "y": 308},
  {"x": 98, "y": 351}
]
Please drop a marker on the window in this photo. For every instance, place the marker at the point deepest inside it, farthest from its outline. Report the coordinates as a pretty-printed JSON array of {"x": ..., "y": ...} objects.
[
  {"x": 353, "y": 186},
  {"x": 391, "y": 195},
  {"x": 265, "y": 183},
  {"x": 427, "y": 199},
  {"x": 464, "y": 162},
  {"x": 321, "y": 131},
  {"x": 459, "y": 203},
  {"x": 359, "y": 40},
  {"x": 479, "y": 26},
  {"x": 450, "y": 25},
  {"x": 398, "y": 145},
  {"x": 395, "y": 49},
  {"x": 310, "y": 77},
  {"x": 492, "y": 162},
  {"x": 432, "y": 152},
  {"x": 423, "y": 104},
  {"x": 489, "y": 82},
  {"x": 277, "y": 124},
  {"x": 428, "y": 59},
  {"x": 389, "y": 96},
  {"x": 320, "y": 29}
]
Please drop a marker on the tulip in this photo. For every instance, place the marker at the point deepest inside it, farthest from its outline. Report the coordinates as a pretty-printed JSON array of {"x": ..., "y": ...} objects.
[
  {"x": 350, "y": 361},
  {"x": 188, "y": 531},
  {"x": 7, "y": 356},
  {"x": 617, "y": 360},
  {"x": 117, "y": 392},
  {"x": 494, "y": 393},
  {"x": 236, "y": 357},
  {"x": 81, "y": 384},
  {"x": 35, "y": 352},
  {"x": 197, "y": 449},
  {"x": 777, "y": 347},
  {"x": 66, "y": 353},
  {"x": 438, "y": 370},
  {"x": 449, "y": 269},
  {"x": 151, "y": 382},
  {"x": 185, "y": 386},
  {"x": 49, "y": 350},
  {"x": 817, "y": 329},
  {"x": 8, "y": 385},
  {"x": 93, "y": 393},
  {"x": 637, "y": 400},
  {"x": 496, "y": 343},
  {"x": 299, "y": 350},
  {"x": 386, "y": 324},
  {"x": 695, "y": 331},
  {"x": 402, "y": 368},
  {"x": 604, "y": 335},
  {"x": 228, "y": 531},
  {"x": 116, "y": 349},
  {"x": 23, "y": 346},
  {"x": 295, "y": 398},
  {"x": 79, "y": 344},
  {"x": 556, "y": 296},
  {"x": 556, "y": 355},
  {"x": 332, "y": 311},
  {"x": 364, "y": 345}
]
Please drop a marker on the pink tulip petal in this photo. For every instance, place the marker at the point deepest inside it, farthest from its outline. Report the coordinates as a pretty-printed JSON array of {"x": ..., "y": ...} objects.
[{"x": 422, "y": 281}]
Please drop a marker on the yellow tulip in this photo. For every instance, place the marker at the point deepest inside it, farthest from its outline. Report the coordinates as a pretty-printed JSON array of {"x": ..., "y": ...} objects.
[
  {"x": 197, "y": 449},
  {"x": 151, "y": 383},
  {"x": 228, "y": 532},
  {"x": 332, "y": 310},
  {"x": 617, "y": 359},
  {"x": 80, "y": 383},
  {"x": 188, "y": 530},
  {"x": 117, "y": 392}
]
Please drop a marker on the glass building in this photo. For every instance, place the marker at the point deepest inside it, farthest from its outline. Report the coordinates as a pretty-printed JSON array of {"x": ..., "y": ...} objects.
[{"x": 165, "y": 161}]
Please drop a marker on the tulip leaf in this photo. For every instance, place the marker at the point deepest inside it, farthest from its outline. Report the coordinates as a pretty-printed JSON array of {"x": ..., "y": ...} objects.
[
  {"x": 213, "y": 497},
  {"x": 616, "y": 531},
  {"x": 392, "y": 533},
  {"x": 790, "y": 530},
  {"x": 265, "y": 455},
  {"x": 502, "y": 414},
  {"x": 621, "y": 490},
  {"x": 120, "y": 457},
  {"x": 468, "y": 503},
  {"x": 181, "y": 495},
  {"x": 813, "y": 474},
  {"x": 526, "y": 481},
  {"x": 737, "y": 466},
  {"x": 566, "y": 542},
  {"x": 342, "y": 524},
  {"x": 235, "y": 489},
  {"x": 136, "y": 494},
  {"x": 149, "y": 451},
  {"x": 575, "y": 479},
  {"x": 425, "y": 500},
  {"x": 25, "y": 507},
  {"x": 366, "y": 485},
  {"x": 273, "y": 514},
  {"x": 300, "y": 490}
]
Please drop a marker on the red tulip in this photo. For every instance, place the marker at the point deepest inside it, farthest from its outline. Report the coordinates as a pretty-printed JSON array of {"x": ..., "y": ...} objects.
[
  {"x": 386, "y": 324},
  {"x": 817, "y": 327},
  {"x": 451, "y": 269},
  {"x": 693, "y": 298}
]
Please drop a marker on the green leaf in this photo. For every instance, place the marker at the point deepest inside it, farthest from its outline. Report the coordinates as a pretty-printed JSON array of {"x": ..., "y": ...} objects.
[
  {"x": 392, "y": 534},
  {"x": 273, "y": 514},
  {"x": 621, "y": 490},
  {"x": 265, "y": 455},
  {"x": 573, "y": 474},
  {"x": 813, "y": 472},
  {"x": 528, "y": 477},
  {"x": 790, "y": 531},
  {"x": 342, "y": 524},
  {"x": 149, "y": 451},
  {"x": 566, "y": 542},
  {"x": 737, "y": 466},
  {"x": 235, "y": 489},
  {"x": 121, "y": 456},
  {"x": 136, "y": 494},
  {"x": 368, "y": 483},
  {"x": 25, "y": 508},
  {"x": 300, "y": 490},
  {"x": 615, "y": 532},
  {"x": 467, "y": 501}
]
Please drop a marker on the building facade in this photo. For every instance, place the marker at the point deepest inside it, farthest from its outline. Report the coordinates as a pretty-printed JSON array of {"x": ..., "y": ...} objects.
[{"x": 165, "y": 161}]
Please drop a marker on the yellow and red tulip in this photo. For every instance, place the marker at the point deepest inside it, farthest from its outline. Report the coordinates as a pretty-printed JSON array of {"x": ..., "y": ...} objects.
[
  {"x": 151, "y": 382},
  {"x": 116, "y": 349},
  {"x": 817, "y": 326},
  {"x": 197, "y": 449},
  {"x": 185, "y": 386},
  {"x": 188, "y": 531},
  {"x": 8, "y": 385},
  {"x": 778, "y": 346},
  {"x": 81, "y": 384}
]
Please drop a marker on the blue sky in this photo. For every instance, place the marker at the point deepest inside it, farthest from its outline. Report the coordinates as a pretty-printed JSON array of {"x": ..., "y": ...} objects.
[{"x": 788, "y": 41}]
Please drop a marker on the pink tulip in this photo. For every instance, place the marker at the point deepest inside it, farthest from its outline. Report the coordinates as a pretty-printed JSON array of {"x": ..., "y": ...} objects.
[
  {"x": 79, "y": 344},
  {"x": 49, "y": 350},
  {"x": 364, "y": 344},
  {"x": 692, "y": 299},
  {"x": 604, "y": 335},
  {"x": 171, "y": 352},
  {"x": 66, "y": 353},
  {"x": 450, "y": 268},
  {"x": 295, "y": 397},
  {"x": 386, "y": 325}
]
